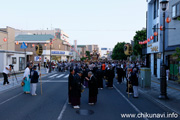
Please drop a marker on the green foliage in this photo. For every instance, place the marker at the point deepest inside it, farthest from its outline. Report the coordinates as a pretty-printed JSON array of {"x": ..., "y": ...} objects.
[
  {"x": 177, "y": 53},
  {"x": 118, "y": 52},
  {"x": 140, "y": 36},
  {"x": 88, "y": 55},
  {"x": 83, "y": 58}
]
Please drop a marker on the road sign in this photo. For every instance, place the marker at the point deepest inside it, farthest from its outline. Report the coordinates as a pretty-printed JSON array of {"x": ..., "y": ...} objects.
[
  {"x": 37, "y": 58},
  {"x": 23, "y": 46},
  {"x": 39, "y": 49}
]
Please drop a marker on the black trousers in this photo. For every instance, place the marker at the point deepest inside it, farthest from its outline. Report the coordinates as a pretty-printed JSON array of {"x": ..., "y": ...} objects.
[
  {"x": 5, "y": 79},
  {"x": 75, "y": 101},
  {"x": 93, "y": 99},
  {"x": 44, "y": 64},
  {"x": 120, "y": 78}
]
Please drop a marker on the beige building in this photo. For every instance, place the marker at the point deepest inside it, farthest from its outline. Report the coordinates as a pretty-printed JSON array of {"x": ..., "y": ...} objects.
[
  {"x": 81, "y": 49},
  {"x": 60, "y": 50},
  {"x": 90, "y": 48},
  {"x": 7, "y": 38}
]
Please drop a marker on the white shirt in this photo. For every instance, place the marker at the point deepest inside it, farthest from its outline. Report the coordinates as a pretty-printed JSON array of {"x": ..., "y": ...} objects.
[
  {"x": 5, "y": 70},
  {"x": 44, "y": 60},
  {"x": 27, "y": 72}
]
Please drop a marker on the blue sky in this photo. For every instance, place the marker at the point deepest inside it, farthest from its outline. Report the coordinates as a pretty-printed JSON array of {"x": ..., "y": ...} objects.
[{"x": 102, "y": 22}]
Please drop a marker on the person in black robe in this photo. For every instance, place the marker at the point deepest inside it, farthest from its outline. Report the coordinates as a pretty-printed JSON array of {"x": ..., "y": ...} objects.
[
  {"x": 119, "y": 72},
  {"x": 110, "y": 76},
  {"x": 76, "y": 90},
  {"x": 70, "y": 79},
  {"x": 94, "y": 69},
  {"x": 86, "y": 75},
  {"x": 77, "y": 69},
  {"x": 93, "y": 88},
  {"x": 99, "y": 76}
]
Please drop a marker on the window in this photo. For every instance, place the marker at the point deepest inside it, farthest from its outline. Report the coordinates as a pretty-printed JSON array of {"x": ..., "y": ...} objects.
[
  {"x": 158, "y": 32},
  {"x": 13, "y": 60},
  {"x": 155, "y": 9},
  {"x": 154, "y": 30},
  {"x": 176, "y": 10},
  {"x": 21, "y": 63}
]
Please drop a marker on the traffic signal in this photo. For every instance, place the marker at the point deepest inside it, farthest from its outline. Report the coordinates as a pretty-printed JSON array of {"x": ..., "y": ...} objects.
[{"x": 39, "y": 50}]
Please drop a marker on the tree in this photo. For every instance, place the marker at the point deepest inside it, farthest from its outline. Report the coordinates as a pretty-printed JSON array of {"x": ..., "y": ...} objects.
[
  {"x": 118, "y": 52},
  {"x": 140, "y": 36},
  {"x": 88, "y": 54},
  {"x": 177, "y": 54}
]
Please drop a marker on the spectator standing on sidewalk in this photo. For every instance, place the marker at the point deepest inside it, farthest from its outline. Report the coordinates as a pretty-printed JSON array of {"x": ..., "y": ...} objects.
[
  {"x": 167, "y": 74},
  {"x": 6, "y": 71},
  {"x": 26, "y": 79},
  {"x": 45, "y": 60},
  {"x": 134, "y": 81},
  {"x": 39, "y": 65},
  {"x": 34, "y": 80}
]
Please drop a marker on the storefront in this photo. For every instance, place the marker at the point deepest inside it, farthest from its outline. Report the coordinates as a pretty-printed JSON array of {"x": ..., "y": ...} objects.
[
  {"x": 174, "y": 67},
  {"x": 154, "y": 57},
  {"x": 57, "y": 55}
]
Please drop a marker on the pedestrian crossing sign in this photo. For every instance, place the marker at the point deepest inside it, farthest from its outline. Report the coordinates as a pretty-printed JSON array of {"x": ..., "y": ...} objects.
[{"x": 23, "y": 46}]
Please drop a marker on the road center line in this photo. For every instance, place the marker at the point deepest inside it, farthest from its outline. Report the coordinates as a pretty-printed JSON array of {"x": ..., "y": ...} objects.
[
  {"x": 129, "y": 101},
  {"x": 11, "y": 98},
  {"x": 63, "y": 110}
]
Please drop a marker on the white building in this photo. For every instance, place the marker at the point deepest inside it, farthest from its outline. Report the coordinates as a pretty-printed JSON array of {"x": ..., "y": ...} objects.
[
  {"x": 104, "y": 52},
  {"x": 12, "y": 57},
  {"x": 155, "y": 46}
]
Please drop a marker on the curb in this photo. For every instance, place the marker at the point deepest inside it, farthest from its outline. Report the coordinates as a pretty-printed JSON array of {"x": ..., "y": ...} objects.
[
  {"x": 158, "y": 102},
  {"x": 167, "y": 86}
]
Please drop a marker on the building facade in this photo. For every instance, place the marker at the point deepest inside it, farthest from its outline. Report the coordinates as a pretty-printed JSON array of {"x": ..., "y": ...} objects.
[
  {"x": 105, "y": 53},
  {"x": 173, "y": 38},
  {"x": 7, "y": 37},
  {"x": 90, "y": 48},
  {"x": 81, "y": 49},
  {"x": 154, "y": 47},
  {"x": 60, "y": 50}
]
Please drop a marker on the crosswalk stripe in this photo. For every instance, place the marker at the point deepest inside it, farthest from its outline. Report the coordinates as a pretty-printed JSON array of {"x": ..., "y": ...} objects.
[
  {"x": 53, "y": 75},
  {"x": 54, "y": 81},
  {"x": 59, "y": 76},
  {"x": 66, "y": 76}
]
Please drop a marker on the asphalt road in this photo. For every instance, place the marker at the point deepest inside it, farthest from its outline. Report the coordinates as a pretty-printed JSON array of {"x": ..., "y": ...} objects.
[{"x": 52, "y": 104}]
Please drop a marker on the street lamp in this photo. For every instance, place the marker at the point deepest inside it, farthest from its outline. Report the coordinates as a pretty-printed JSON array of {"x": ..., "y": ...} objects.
[
  {"x": 163, "y": 83},
  {"x": 50, "y": 55}
]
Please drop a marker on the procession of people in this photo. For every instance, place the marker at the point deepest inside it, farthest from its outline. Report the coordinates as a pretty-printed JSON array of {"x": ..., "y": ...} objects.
[{"x": 92, "y": 75}]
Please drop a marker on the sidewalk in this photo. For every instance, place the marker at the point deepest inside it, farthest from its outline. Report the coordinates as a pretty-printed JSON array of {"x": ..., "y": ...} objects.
[
  {"x": 15, "y": 83},
  {"x": 173, "y": 92}
]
